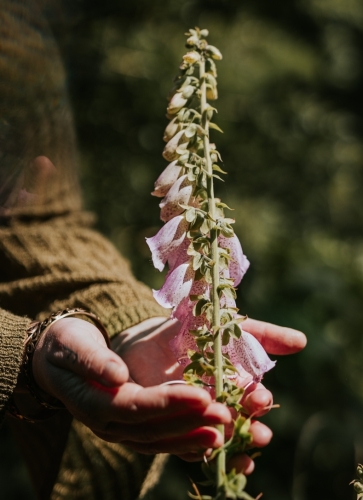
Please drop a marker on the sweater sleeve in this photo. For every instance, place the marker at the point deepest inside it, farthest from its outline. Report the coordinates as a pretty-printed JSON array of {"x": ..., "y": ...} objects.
[
  {"x": 12, "y": 334},
  {"x": 64, "y": 263}
]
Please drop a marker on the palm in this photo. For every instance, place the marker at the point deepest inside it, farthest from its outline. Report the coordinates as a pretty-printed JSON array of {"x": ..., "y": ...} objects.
[
  {"x": 149, "y": 358},
  {"x": 151, "y": 361}
]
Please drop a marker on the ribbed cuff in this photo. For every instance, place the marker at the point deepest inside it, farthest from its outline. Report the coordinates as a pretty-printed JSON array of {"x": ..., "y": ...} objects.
[
  {"x": 119, "y": 305},
  {"x": 12, "y": 333}
]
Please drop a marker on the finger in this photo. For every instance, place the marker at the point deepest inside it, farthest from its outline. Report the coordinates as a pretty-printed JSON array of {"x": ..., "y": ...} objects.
[
  {"x": 257, "y": 402},
  {"x": 77, "y": 346},
  {"x": 196, "y": 457},
  {"x": 242, "y": 463},
  {"x": 261, "y": 434},
  {"x": 132, "y": 404},
  {"x": 170, "y": 427},
  {"x": 195, "y": 442},
  {"x": 135, "y": 404},
  {"x": 275, "y": 339}
]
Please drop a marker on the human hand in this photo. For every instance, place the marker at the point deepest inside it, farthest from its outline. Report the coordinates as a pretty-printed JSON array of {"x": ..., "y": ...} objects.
[
  {"x": 145, "y": 349},
  {"x": 73, "y": 364}
]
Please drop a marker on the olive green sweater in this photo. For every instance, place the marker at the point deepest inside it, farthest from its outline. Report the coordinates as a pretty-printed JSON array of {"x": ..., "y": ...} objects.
[
  {"x": 51, "y": 258},
  {"x": 47, "y": 265}
]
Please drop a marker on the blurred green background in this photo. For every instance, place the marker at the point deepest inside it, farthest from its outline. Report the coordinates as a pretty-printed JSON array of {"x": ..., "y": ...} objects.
[{"x": 290, "y": 105}]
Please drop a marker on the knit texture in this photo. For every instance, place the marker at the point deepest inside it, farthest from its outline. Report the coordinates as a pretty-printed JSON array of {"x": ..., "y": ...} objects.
[
  {"x": 62, "y": 262},
  {"x": 12, "y": 334},
  {"x": 113, "y": 471},
  {"x": 50, "y": 257}
]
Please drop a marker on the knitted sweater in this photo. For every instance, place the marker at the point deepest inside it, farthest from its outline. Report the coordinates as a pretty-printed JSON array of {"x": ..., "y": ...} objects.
[
  {"x": 51, "y": 258},
  {"x": 56, "y": 263}
]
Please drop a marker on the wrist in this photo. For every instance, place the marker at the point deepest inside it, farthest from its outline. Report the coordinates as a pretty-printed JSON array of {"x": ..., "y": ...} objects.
[{"x": 46, "y": 339}]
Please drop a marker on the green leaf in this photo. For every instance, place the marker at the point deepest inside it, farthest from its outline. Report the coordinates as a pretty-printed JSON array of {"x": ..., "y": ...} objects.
[
  {"x": 190, "y": 214},
  {"x": 236, "y": 332},
  {"x": 190, "y": 131},
  {"x": 197, "y": 261},
  {"x": 200, "y": 497},
  {"x": 214, "y": 126},
  {"x": 220, "y": 204},
  {"x": 225, "y": 336},
  {"x": 197, "y": 311},
  {"x": 217, "y": 168},
  {"x": 227, "y": 230},
  {"x": 194, "y": 298},
  {"x": 217, "y": 177}
]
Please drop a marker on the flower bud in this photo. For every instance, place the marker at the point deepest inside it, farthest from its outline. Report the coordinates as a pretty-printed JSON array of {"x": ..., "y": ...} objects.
[
  {"x": 358, "y": 487},
  {"x": 166, "y": 179},
  {"x": 171, "y": 129},
  {"x": 214, "y": 52},
  {"x": 179, "y": 194},
  {"x": 176, "y": 103},
  {"x": 191, "y": 57},
  {"x": 169, "y": 152},
  {"x": 188, "y": 91},
  {"x": 249, "y": 353},
  {"x": 212, "y": 93},
  {"x": 192, "y": 41},
  {"x": 204, "y": 33}
]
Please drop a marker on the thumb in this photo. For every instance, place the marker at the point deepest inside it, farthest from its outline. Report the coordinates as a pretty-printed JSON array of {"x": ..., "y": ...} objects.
[{"x": 78, "y": 346}]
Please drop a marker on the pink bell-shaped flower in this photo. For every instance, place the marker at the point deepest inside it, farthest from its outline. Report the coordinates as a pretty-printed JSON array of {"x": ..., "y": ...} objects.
[
  {"x": 249, "y": 353},
  {"x": 176, "y": 287},
  {"x": 167, "y": 241},
  {"x": 239, "y": 263},
  {"x": 166, "y": 179},
  {"x": 179, "y": 194},
  {"x": 178, "y": 141}
]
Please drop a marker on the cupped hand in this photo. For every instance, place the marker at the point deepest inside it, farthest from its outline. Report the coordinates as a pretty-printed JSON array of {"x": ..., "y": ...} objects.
[
  {"x": 73, "y": 364},
  {"x": 145, "y": 349}
]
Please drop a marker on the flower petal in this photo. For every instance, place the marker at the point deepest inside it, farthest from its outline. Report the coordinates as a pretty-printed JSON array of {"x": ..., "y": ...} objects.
[
  {"x": 171, "y": 129},
  {"x": 183, "y": 341},
  {"x": 167, "y": 240},
  {"x": 166, "y": 179},
  {"x": 176, "y": 103},
  {"x": 169, "y": 152},
  {"x": 200, "y": 287},
  {"x": 177, "y": 286},
  {"x": 249, "y": 353},
  {"x": 179, "y": 193},
  {"x": 179, "y": 255},
  {"x": 239, "y": 263}
]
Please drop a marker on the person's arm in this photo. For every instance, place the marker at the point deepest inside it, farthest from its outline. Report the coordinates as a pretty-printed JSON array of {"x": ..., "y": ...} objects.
[{"x": 12, "y": 335}]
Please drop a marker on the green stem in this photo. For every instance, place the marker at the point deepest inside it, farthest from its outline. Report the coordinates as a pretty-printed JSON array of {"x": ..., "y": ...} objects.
[{"x": 221, "y": 459}]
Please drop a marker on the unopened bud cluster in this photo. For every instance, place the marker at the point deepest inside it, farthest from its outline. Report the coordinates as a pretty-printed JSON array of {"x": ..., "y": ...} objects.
[{"x": 358, "y": 483}]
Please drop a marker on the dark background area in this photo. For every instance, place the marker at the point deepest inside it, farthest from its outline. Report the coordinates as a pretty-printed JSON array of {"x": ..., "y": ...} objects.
[{"x": 290, "y": 105}]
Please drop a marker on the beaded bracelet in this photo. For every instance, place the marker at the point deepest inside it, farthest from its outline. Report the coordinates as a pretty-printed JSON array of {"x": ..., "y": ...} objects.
[{"x": 35, "y": 332}]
